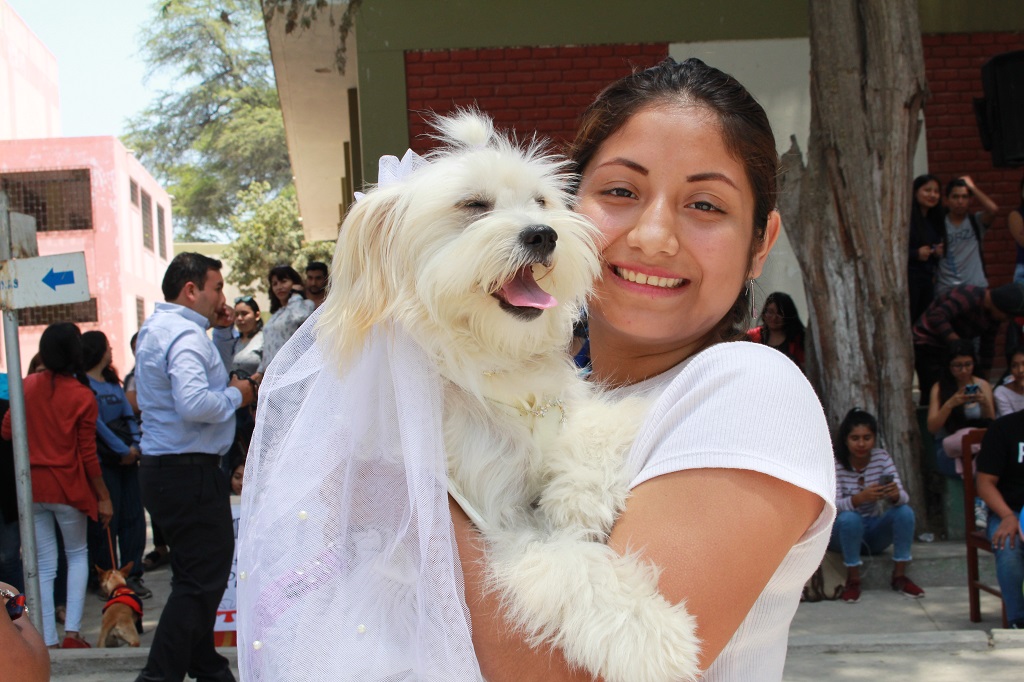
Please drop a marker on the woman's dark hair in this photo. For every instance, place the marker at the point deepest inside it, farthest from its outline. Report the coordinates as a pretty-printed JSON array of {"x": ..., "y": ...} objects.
[
  {"x": 919, "y": 219},
  {"x": 35, "y": 364},
  {"x": 250, "y": 301},
  {"x": 94, "y": 347},
  {"x": 794, "y": 328},
  {"x": 947, "y": 382},
  {"x": 854, "y": 418},
  {"x": 746, "y": 132},
  {"x": 60, "y": 349},
  {"x": 281, "y": 272}
]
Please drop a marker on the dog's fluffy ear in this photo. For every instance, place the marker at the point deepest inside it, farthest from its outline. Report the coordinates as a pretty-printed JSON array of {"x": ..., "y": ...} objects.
[
  {"x": 126, "y": 569},
  {"x": 364, "y": 274},
  {"x": 464, "y": 129}
]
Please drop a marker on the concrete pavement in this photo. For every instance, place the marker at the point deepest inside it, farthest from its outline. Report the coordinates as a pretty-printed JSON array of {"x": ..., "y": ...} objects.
[{"x": 884, "y": 636}]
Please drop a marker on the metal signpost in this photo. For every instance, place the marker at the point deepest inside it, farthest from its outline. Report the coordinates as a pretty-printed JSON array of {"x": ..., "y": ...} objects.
[{"x": 25, "y": 283}]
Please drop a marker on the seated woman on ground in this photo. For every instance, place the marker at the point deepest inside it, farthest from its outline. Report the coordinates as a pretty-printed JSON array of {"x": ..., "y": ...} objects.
[
  {"x": 781, "y": 328},
  {"x": 958, "y": 401},
  {"x": 1009, "y": 396},
  {"x": 871, "y": 506}
]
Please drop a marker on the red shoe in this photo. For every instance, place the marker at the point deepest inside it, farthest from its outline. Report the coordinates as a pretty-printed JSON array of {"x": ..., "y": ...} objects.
[
  {"x": 906, "y": 587},
  {"x": 851, "y": 593},
  {"x": 73, "y": 643}
]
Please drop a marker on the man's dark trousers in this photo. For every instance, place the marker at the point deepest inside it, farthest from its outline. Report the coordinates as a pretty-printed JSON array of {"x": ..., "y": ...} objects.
[{"x": 188, "y": 497}]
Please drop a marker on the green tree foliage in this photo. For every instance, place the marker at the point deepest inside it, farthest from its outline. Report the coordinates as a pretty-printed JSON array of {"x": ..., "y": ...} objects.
[
  {"x": 218, "y": 128},
  {"x": 269, "y": 233}
]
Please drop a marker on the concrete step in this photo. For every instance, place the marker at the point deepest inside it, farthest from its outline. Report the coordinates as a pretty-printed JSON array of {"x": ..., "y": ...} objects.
[{"x": 936, "y": 564}]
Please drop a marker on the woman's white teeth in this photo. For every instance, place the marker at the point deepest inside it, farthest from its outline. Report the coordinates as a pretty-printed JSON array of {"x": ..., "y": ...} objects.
[{"x": 641, "y": 278}]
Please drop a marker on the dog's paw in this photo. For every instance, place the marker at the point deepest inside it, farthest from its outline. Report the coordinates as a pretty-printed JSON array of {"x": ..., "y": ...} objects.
[
  {"x": 628, "y": 632},
  {"x": 603, "y": 610},
  {"x": 570, "y": 503}
]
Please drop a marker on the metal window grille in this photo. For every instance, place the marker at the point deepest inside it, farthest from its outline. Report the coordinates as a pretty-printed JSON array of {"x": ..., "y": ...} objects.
[
  {"x": 140, "y": 311},
  {"x": 161, "y": 231},
  {"x": 134, "y": 190},
  {"x": 57, "y": 199},
  {"x": 147, "y": 221},
  {"x": 85, "y": 311}
]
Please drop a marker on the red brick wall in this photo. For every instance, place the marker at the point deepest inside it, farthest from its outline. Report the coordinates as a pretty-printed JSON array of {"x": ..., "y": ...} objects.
[
  {"x": 953, "y": 69},
  {"x": 528, "y": 89}
]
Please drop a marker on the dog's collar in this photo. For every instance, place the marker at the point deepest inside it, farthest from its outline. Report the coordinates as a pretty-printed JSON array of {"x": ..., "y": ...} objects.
[
  {"x": 544, "y": 418},
  {"x": 536, "y": 409}
]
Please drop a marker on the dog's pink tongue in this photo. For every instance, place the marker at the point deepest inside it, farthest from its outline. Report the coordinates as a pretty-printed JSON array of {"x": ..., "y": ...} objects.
[{"x": 523, "y": 291}]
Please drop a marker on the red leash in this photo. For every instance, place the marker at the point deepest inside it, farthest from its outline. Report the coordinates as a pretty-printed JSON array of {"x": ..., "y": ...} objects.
[{"x": 110, "y": 546}]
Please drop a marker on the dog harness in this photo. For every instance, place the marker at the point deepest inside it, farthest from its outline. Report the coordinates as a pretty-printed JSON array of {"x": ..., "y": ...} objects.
[{"x": 123, "y": 594}]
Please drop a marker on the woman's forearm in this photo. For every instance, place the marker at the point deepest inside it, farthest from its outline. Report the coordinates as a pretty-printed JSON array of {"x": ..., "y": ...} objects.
[{"x": 503, "y": 654}]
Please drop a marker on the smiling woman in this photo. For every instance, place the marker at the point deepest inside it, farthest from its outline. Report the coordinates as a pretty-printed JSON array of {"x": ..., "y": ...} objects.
[{"x": 678, "y": 168}]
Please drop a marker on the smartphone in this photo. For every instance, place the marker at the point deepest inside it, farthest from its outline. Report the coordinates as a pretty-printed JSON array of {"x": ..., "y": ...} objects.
[
  {"x": 972, "y": 389},
  {"x": 885, "y": 479}
]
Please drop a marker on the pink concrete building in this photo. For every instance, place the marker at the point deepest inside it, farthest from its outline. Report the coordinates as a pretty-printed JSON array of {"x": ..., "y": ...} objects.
[
  {"x": 29, "y": 91},
  {"x": 86, "y": 194},
  {"x": 90, "y": 194}
]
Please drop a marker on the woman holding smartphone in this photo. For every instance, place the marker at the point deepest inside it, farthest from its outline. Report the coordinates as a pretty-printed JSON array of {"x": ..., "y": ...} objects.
[
  {"x": 958, "y": 401},
  {"x": 871, "y": 506}
]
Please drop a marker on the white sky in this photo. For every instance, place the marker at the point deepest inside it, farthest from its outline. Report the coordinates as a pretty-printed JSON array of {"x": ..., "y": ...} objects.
[{"x": 96, "y": 46}]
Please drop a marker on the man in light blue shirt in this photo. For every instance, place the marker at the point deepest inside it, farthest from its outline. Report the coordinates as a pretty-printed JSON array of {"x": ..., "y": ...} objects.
[{"x": 188, "y": 408}]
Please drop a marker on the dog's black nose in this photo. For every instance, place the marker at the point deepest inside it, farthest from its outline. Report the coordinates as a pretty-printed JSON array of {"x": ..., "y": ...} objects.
[{"x": 539, "y": 240}]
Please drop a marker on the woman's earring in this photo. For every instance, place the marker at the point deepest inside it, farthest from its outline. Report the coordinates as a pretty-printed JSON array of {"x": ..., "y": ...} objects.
[{"x": 750, "y": 297}]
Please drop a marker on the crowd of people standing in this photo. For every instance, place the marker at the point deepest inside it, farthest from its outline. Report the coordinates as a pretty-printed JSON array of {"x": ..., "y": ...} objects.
[{"x": 94, "y": 450}]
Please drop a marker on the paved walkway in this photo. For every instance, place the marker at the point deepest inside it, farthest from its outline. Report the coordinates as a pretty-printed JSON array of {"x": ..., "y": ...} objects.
[{"x": 884, "y": 637}]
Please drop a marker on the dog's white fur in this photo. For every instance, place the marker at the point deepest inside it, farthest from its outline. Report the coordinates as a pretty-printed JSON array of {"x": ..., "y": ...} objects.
[{"x": 428, "y": 253}]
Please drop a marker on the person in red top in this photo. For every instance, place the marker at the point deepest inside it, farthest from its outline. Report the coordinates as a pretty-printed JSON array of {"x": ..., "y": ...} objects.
[
  {"x": 67, "y": 484},
  {"x": 781, "y": 328}
]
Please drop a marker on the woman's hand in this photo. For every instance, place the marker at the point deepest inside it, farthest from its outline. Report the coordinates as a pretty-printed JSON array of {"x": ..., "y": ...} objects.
[
  {"x": 1005, "y": 536},
  {"x": 959, "y": 398},
  {"x": 925, "y": 252},
  {"x": 106, "y": 512},
  {"x": 987, "y": 398},
  {"x": 873, "y": 493},
  {"x": 23, "y": 649},
  {"x": 133, "y": 456}
]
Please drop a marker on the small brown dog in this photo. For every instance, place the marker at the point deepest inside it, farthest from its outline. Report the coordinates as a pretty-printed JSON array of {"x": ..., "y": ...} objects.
[{"x": 122, "y": 615}]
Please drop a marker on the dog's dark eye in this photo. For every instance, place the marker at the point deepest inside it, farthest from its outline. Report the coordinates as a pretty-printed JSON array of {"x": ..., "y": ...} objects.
[
  {"x": 540, "y": 202},
  {"x": 477, "y": 205}
]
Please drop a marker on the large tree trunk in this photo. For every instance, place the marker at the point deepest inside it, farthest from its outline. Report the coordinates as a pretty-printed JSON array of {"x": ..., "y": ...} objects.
[{"x": 847, "y": 212}]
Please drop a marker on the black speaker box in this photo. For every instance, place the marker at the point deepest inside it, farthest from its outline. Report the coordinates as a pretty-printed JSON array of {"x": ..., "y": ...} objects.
[{"x": 1000, "y": 113}]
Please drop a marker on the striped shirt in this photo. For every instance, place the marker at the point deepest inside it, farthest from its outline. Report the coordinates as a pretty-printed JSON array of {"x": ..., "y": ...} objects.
[
  {"x": 850, "y": 482},
  {"x": 959, "y": 311}
]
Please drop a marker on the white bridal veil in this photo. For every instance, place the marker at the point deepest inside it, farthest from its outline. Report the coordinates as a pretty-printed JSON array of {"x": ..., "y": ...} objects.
[{"x": 347, "y": 568}]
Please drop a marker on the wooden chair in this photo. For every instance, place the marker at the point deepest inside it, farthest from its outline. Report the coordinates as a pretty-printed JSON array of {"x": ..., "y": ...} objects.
[{"x": 974, "y": 537}]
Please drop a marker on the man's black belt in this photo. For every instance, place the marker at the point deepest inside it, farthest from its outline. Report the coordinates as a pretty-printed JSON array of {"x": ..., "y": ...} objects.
[{"x": 183, "y": 459}]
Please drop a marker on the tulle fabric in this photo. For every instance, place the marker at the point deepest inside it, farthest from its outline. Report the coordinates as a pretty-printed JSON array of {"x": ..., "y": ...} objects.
[{"x": 347, "y": 565}]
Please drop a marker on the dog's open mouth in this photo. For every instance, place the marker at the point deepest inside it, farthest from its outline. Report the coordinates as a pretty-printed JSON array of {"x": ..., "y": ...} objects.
[{"x": 522, "y": 296}]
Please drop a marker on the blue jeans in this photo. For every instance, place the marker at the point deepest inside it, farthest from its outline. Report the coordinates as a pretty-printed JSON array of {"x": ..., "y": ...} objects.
[
  {"x": 852, "y": 533},
  {"x": 72, "y": 528},
  {"x": 1009, "y": 573}
]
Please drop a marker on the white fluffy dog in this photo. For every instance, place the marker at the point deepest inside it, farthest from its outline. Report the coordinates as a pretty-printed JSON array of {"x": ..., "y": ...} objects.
[{"x": 477, "y": 255}]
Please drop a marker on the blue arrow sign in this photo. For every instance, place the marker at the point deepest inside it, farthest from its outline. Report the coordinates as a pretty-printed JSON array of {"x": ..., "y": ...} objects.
[{"x": 55, "y": 279}]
